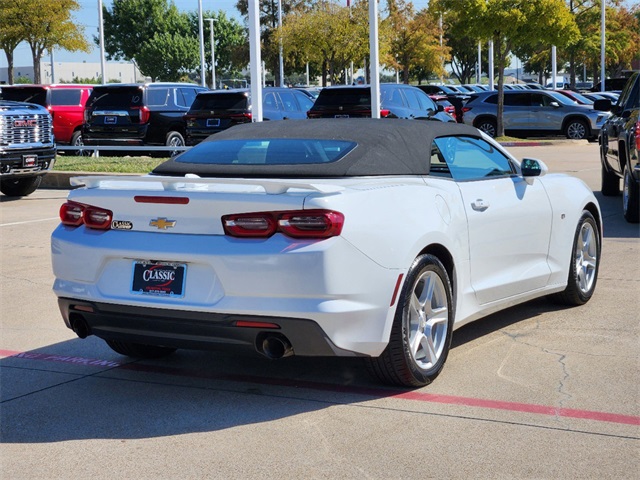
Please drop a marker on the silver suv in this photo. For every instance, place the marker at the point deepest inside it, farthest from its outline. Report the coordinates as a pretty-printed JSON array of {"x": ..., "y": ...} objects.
[{"x": 536, "y": 112}]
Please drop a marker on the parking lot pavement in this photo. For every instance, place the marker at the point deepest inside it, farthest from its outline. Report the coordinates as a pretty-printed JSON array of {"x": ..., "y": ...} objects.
[{"x": 537, "y": 391}]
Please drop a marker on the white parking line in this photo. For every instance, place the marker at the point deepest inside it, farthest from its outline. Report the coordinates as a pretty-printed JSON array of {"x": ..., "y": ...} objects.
[{"x": 29, "y": 221}]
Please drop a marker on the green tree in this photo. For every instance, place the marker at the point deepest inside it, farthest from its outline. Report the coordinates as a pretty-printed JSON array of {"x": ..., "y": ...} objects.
[
  {"x": 414, "y": 40},
  {"x": 10, "y": 34},
  {"x": 231, "y": 44},
  {"x": 328, "y": 36},
  {"x": 168, "y": 56},
  {"x": 512, "y": 23},
  {"x": 269, "y": 25},
  {"x": 153, "y": 34},
  {"x": 462, "y": 39},
  {"x": 44, "y": 25}
]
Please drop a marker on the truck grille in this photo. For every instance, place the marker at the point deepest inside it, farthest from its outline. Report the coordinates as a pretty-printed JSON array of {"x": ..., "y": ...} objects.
[{"x": 21, "y": 130}]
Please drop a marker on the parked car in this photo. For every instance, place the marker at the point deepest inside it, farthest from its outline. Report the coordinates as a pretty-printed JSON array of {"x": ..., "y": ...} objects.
[
  {"x": 138, "y": 114},
  {"x": 64, "y": 101},
  {"x": 212, "y": 112},
  {"x": 27, "y": 148},
  {"x": 397, "y": 100},
  {"x": 620, "y": 148},
  {"x": 534, "y": 112},
  {"x": 576, "y": 97},
  {"x": 611, "y": 84},
  {"x": 359, "y": 237},
  {"x": 456, "y": 98}
]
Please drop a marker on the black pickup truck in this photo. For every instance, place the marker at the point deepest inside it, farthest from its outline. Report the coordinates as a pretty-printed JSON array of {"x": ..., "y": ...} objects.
[
  {"x": 27, "y": 149},
  {"x": 619, "y": 147}
]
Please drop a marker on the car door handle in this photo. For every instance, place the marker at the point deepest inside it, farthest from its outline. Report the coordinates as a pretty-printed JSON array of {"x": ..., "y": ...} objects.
[{"x": 480, "y": 205}]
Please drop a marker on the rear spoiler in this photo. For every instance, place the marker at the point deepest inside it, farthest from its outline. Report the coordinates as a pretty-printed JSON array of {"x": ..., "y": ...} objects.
[{"x": 190, "y": 181}]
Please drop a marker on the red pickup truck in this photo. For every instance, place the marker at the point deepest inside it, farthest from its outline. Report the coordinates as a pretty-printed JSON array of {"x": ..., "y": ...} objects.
[{"x": 65, "y": 102}]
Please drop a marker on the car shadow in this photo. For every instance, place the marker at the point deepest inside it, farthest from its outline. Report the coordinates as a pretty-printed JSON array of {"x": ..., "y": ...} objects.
[{"x": 615, "y": 226}]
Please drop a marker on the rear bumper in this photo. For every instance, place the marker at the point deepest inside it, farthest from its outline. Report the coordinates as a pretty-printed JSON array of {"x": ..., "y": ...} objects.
[
  {"x": 194, "y": 330},
  {"x": 288, "y": 280}
]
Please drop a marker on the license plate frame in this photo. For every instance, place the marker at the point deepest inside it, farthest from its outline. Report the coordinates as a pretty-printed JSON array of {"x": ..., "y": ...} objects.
[
  {"x": 159, "y": 279},
  {"x": 213, "y": 122},
  {"x": 30, "y": 161},
  {"x": 341, "y": 116}
]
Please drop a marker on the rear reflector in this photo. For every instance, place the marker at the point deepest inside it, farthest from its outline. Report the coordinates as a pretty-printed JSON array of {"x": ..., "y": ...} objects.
[
  {"x": 395, "y": 290},
  {"x": 250, "y": 324}
]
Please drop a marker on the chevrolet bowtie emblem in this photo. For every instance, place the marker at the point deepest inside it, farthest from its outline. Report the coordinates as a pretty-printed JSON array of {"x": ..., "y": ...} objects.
[{"x": 162, "y": 223}]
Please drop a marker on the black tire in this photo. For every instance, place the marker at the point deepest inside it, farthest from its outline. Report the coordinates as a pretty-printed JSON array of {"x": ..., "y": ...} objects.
[
  {"x": 138, "y": 350},
  {"x": 76, "y": 141},
  {"x": 610, "y": 185},
  {"x": 488, "y": 126},
  {"x": 630, "y": 198},
  {"x": 422, "y": 328},
  {"x": 175, "y": 139},
  {"x": 584, "y": 263},
  {"x": 20, "y": 187},
  {"x": 576, "y": 129}
]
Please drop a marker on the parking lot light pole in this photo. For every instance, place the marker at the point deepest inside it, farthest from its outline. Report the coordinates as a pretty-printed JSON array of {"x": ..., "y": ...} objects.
[
  {"x": 213, "y": 56},
  {"x": 201, "y": 35}
]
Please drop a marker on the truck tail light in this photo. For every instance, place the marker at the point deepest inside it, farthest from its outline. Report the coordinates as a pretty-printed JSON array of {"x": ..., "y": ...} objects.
[
  {"x": 75, "y": 214},
  {"x": 295, "y": 224},
  {"x": 242, "y": 117},
  {"x": 638, "y": 135}
]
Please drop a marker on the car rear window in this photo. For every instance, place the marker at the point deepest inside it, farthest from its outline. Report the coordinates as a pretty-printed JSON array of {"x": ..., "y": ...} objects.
[
  {"x": 267, "y": 152},
  {"x": 221, "y": 101},
  {"x": 29, "y": 94},
  {"x": 344, "y": 96},
  {"x": 115, "y": 98}
]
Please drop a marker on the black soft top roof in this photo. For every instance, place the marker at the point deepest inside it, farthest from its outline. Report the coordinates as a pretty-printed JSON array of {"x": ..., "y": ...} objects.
[{"x": 384, "y": 147}]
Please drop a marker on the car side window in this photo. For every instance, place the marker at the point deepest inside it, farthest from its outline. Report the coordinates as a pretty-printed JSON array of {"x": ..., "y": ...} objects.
[
  {"x": 157, "y": 97},
  {"x": 412, "y": 99},
  {"x": 305, "y": 102},
  {"x": 517, "y": 100},
  {"x": 185, "y": 96},
  {"x": 288, "y": 101},
  {"x": 66, "y": 96},
  {"x": 269, "y": 101},
  {"x": 425, "y": 101},
  {"x": 470, "y": 158}
]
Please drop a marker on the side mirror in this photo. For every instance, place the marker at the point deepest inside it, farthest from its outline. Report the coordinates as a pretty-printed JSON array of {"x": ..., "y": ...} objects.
[
  {"x": 530, "y": 167},
  {"x": 603, "y": 105},
  {"x": 440, "y": 107},
  {"x": 554, "y": 104}
]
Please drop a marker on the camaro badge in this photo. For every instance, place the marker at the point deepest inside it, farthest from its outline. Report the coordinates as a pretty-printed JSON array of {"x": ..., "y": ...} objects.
[{"x": 162, "y": 223}]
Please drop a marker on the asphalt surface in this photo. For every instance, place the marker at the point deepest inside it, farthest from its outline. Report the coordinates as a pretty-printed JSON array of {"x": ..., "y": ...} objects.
[{"x": 534, "y": 392}]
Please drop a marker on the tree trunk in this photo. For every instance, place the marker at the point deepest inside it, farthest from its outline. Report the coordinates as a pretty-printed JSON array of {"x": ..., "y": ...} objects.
[
  {"x": 36, "y": 54},
  {"x": 9, "y": 66}
]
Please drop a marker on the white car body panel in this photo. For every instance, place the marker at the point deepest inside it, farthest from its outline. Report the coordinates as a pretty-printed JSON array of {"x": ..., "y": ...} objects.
[{"x": 345, "y": 284}]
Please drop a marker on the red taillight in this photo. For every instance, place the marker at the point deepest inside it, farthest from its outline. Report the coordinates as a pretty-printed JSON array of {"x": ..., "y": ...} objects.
[
  {"x": 143, "y": 113},
  {"x": 466, "y": 109},
  {"x": 71, "y": 214},
  {"x": 638, "y": 135},
  {"x": 385, "y": 113},
  {"x": 260, "y": 224},
  {"x": 295, "y": 224},
  {"x": 242, "y": 117},
  {"x": 75, "y": 214}
]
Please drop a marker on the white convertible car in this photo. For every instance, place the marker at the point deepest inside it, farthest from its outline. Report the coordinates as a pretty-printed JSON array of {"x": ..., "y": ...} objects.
[{"x": 354, "y": 237}]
